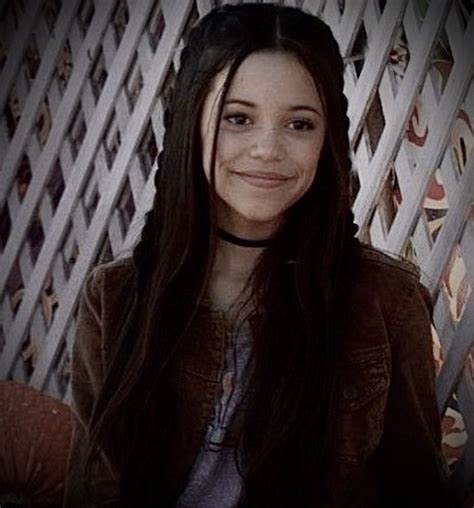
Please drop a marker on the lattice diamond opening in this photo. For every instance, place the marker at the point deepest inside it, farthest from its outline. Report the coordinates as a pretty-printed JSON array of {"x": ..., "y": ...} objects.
[
  {"x": 30, "y": 350},
  {"x": 441, "y": 63},
  {"x": 2, "y": 338},
  {"x": 43, "y": 122},
  {"x": 55, "y": 185},
  {"x": 120, "y": 19},
  {"x": 69, "y": 250},
  {"x": 390, "y": 199},
  {"x": 455, "y": 284},
  {"x": 35, "y": 235},
  {"x": 64, "y": 67},
  {"x": 469, "y": 365},
  {"x": 98, "y": 75},
  {"x": 155, "y": 26},
  {"x": 50, "y": 10},
  {"x": 133, "y": 83},
  {"x": 435, "y": 205},
  {"x": 5, "y": 226},
  {"x": 112, "y": 140},
  {"x": 77, "y": 131},
  {"x": 90, "y": 201},
  {"x": 126, "y": 208},
  {"x": 147, "y": 151},
  {"x": 359, "y": 50},
  {"x": 374, "y": 122},
  {"x": 49, "y": 302},
  {"x": 4, "y": 47},
  {"x": 398, "y": 60},
  {"x": 465, "y": 10},
  {"x": 409, "y": 252},
  {"x": 461, "y": 139},
  {"x": 12, "y": 112},
  {"x": 32, "y": 61},
  {"x": 167, "y": 89},
  {"x": 15, "y": 287},
  {"x": 454, "y": 435},
  {"x": 23, "y": 176},
  {"x": 85, "y": 15}
]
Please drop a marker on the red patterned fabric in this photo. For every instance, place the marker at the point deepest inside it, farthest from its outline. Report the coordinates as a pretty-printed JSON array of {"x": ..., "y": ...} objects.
[{"x": 35, "y": 435}]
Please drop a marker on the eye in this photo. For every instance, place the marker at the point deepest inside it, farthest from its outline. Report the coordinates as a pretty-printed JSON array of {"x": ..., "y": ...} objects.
[
  {"x": 237, "y": 119},
  {"x": 302, "y": 125}
]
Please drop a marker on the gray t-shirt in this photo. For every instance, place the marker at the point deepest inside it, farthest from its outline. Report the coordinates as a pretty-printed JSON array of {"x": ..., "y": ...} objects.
[{"x": 214, "y": 481}]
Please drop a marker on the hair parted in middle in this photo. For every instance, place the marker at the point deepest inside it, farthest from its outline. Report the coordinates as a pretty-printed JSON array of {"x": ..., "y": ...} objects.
[{"x": 300, "y": 281}]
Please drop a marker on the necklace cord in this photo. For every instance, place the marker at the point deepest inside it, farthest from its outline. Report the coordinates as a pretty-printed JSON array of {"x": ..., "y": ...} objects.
[{"x": 241, "y": 242}]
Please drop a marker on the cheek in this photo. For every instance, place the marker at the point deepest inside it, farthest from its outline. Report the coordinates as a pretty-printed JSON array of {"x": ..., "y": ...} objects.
[
  {"x": 309, "y": 161},
  {"x": 228, "y": 150},
  {"x": 229, "y": 155},
  {"x": 229, "y": 147}
]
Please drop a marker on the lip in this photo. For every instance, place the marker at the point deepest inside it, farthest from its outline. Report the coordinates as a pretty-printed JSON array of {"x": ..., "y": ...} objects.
[{"x": 263, "y": 179}]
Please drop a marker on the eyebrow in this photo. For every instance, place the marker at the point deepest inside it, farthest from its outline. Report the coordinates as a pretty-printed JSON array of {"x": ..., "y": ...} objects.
[{"x": 296, "y": 107}]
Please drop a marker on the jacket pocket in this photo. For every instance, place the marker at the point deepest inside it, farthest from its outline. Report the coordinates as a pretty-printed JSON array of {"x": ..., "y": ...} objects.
[{"x": 365, "y": 380}]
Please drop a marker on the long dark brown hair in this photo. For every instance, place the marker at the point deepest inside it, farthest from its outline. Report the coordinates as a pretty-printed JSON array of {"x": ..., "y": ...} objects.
[{"x": 300, "y": 280}]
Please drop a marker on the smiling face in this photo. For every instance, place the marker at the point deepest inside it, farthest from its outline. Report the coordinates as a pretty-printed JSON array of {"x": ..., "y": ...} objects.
[{"x": 269, "y": 141}]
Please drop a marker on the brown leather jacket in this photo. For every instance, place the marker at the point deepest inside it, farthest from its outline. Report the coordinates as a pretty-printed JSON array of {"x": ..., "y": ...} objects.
[{"x": 388, "y": 428}]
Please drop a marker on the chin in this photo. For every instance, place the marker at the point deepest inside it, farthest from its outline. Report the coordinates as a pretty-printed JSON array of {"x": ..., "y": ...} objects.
[{"x": 261, "y": 220}]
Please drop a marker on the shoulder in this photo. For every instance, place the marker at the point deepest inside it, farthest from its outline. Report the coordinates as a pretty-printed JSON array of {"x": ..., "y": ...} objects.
[
  {"x": 116, "y": 268},
  {"x": 388, "y": 299},
  {"x": 107, "y": 287},
  {"x": 114, "y": 274},
  {"x": 390, "y": 279},
  {"x": 105, "y": 297},
  {"x": 382, "y": 290},
  {"x": 379, "y": 263}
]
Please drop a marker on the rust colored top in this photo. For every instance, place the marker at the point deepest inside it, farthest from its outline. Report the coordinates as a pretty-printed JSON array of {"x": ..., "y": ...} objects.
[{"x": 388, "y": 432}]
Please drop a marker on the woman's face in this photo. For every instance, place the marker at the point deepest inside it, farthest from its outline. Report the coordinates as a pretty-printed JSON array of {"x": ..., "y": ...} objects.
[{"x": 269, "y": 141}]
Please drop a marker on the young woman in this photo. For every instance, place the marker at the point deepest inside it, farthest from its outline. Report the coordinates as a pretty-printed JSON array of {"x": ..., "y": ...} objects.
[{"x": 252, "y": 352}]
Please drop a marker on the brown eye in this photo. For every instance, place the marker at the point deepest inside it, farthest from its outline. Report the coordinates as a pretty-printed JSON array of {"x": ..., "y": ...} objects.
[
  {"x": 237, "y": 119},
  {"x": 302, "y": 125}
]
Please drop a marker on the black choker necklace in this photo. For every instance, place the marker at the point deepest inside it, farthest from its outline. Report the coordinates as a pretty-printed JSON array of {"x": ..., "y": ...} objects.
[{"x": 241, "y": 242}]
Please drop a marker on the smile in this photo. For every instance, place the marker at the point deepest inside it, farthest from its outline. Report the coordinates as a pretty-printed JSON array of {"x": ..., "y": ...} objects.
[{"x": 263, "y": 179}]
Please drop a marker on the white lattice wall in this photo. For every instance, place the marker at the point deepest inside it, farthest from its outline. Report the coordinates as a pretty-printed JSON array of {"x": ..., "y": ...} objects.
[{"x": 81, "y": 90}]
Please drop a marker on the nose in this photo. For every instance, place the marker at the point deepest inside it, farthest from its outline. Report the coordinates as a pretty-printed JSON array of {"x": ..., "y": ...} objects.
[{"x": 266, "y": 144}]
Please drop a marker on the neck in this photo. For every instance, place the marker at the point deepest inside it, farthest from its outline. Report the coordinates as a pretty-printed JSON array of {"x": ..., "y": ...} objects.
[
  {"x": 235, "y": 260},
  {"x": 232, "y": 267}
]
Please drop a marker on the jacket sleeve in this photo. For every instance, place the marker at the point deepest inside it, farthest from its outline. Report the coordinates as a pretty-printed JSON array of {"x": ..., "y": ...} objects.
[
  {"x": 86, "y": 379},
  {"x": 412, "y": 469}
]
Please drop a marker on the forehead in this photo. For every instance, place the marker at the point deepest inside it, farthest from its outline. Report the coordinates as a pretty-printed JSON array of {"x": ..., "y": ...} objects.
[{"x": 269, "y": 77}]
